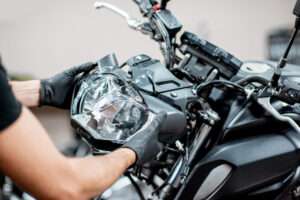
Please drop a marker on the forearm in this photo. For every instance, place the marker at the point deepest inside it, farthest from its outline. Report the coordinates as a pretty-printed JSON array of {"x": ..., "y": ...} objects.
[
  {"x": 96, "y": 174},
  {"x": 28, "y": 156},
  {"x": 27, "y": 92}
]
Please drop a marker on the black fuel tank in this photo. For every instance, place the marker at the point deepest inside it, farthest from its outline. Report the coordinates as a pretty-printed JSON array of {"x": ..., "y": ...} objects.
[{"x": 255, "y": 163}]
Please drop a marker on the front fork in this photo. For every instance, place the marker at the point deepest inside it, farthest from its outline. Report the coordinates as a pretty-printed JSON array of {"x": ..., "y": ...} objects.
[{"x": 183, "y": 165}]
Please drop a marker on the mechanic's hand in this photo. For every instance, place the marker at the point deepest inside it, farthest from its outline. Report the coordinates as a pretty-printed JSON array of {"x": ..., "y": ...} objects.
[
  {"x": 57, "y": 91},
  {"x": 146, "y": 143}
]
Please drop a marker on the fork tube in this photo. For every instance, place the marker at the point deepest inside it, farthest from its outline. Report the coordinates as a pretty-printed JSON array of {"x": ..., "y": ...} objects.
[{"x": 198, "y": 142}]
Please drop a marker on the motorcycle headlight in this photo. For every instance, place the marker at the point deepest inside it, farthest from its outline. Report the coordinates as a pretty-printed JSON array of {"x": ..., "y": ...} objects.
[{"x": 106, "y": 110}]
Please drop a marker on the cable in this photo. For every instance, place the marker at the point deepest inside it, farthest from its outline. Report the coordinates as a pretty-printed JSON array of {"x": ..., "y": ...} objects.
[
  {"x": 218, "y": 83},
  {"x": 138, "y": 88},
  {"x": 152, "y": 84},
  {"x": 252, "y": 79},
  {"x": 123, "y": 65},
  {"x": 136, "y": 186}
]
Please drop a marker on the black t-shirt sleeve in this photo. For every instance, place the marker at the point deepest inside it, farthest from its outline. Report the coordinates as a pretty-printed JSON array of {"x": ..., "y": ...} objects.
[{"x": 10, "y": 108}]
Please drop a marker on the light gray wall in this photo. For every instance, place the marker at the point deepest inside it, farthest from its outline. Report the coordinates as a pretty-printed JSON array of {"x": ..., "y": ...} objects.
[{"x": 42, "y": 37}]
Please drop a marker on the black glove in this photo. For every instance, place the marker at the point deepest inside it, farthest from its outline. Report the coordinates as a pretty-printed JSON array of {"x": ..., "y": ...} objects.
[
  {"x": 57, "y": 91},
  {"x": 146, "y": 143}
]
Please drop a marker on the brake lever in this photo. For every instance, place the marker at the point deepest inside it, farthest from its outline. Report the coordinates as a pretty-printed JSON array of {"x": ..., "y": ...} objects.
[
  {"x": 132, "y": 22},
  {"x": 265, "y": 102}
]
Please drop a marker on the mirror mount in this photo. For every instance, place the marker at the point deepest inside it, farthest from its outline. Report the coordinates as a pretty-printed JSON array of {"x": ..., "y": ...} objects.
[{"x": 284, "y": 59}]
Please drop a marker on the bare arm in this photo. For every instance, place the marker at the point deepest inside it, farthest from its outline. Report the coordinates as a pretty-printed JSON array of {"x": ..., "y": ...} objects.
[
  {"x": 54, "y": 91},
  {"x": 28, "y": 156},
  {"x": 27, "y": 92}
]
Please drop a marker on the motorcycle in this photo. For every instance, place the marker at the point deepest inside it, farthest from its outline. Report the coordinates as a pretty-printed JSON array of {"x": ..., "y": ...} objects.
[{"x": 232, "y": 127}]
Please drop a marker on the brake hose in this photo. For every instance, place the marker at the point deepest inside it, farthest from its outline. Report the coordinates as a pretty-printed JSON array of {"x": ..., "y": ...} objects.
[
  {"x": 253, "y": 79},
  {"x": 217, "y": 83}
]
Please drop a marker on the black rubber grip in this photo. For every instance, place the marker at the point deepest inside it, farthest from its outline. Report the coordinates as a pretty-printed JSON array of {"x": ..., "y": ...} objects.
[{"x": 289, "y": 95}]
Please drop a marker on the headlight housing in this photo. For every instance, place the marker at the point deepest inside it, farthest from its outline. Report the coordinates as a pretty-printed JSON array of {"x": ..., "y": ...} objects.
[{"x": 106, "y": 110}]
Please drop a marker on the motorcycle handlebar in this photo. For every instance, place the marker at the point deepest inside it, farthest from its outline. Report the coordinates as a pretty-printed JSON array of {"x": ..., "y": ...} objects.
[
  {"x": 289, "y": 90},
  {"x": 100, "y": 5}
]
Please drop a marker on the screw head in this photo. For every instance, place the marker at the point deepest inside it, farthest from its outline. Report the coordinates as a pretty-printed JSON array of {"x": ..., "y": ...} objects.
[{"x": 173, "y": 94}]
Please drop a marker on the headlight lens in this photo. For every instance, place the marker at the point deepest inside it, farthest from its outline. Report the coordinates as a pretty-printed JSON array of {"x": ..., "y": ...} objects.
[{"x": 109, "y": 108}]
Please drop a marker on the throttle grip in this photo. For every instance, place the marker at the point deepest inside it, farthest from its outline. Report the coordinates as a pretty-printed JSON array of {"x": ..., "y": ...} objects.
[
  {"x": 289, "y": 95},
  {"x": 290, "y": 90}
]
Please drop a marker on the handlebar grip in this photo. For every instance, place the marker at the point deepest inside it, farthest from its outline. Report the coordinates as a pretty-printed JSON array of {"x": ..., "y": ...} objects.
[
  {"x": 289, "y": 95},
  {"x": 290, "y": 89}
]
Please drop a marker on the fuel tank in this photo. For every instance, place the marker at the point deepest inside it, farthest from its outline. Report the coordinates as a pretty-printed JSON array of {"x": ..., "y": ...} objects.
[{"x": 250, "y": 166}]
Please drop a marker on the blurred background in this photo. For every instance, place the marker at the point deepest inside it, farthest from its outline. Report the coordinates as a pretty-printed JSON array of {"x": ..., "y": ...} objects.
[{"x": 39, "y": 38}]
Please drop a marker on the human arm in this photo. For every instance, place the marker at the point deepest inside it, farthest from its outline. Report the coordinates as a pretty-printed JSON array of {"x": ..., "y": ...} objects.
[
  {"x": 55, "y": 91},
  {"x": 28, "y": 156},
  {"x": 27, "y": 92}
]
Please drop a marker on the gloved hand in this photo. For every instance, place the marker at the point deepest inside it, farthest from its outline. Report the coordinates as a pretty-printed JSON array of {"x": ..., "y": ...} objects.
[
  {"x": 146, "y": 143},
  {"x": 57, "y": 90}
]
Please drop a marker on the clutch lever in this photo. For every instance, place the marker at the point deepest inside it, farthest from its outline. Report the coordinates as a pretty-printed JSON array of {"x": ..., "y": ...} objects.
[
  {"x": 132, "y": 22},
  {"x": 265, "y": 102}
]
